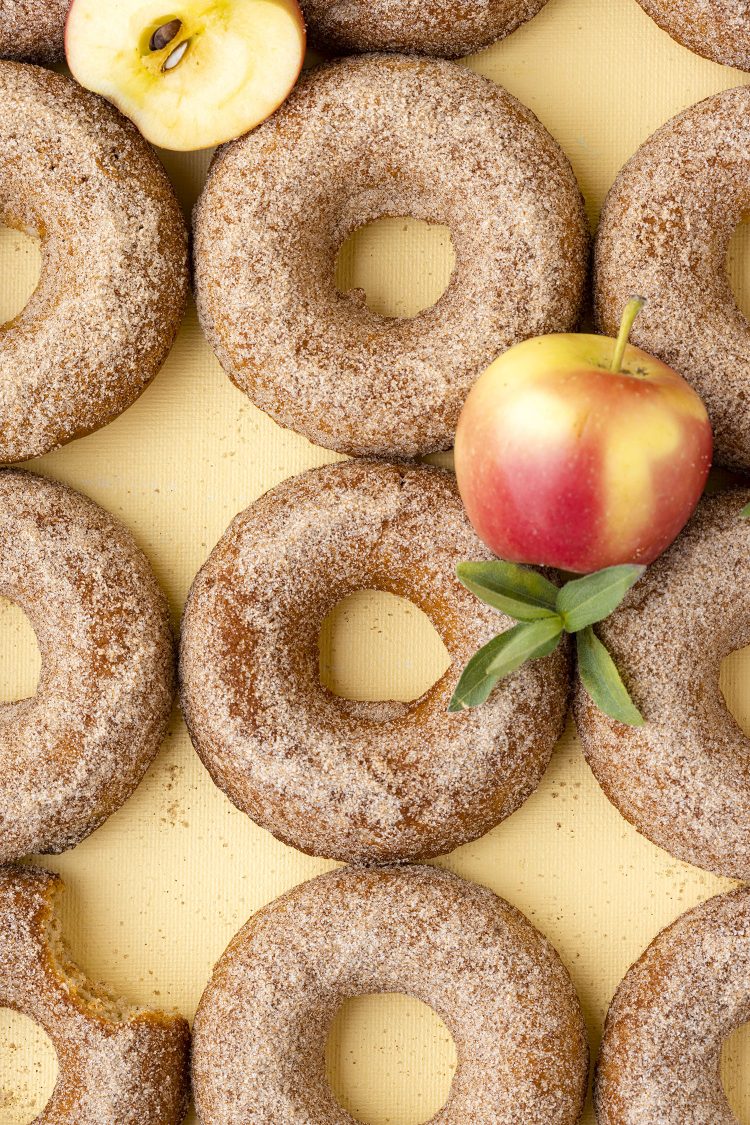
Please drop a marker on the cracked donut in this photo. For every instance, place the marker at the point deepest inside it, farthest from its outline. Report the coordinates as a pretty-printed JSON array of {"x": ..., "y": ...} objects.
[
  {"x": 113, "y": 280},
  {"x": 75, "y": 751},
  {"x": 263, "y": 1022},
  {"x": 425, "y": 27},
  {"x": 33, "y": 30},
  {"x": 360, "y": 139},
  {"x": 661, "y": 1053},
  {"x": 117, "y": 1063},
  {"x": 717, "y": 29},
  {"x": 665, "y": 231},
  {"x": 356, "y": 781},
  {"x": 683, "y": 778}
]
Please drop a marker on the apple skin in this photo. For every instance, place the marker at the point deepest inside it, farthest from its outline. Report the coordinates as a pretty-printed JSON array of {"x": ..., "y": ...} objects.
[{"x": 562, "y": 463}]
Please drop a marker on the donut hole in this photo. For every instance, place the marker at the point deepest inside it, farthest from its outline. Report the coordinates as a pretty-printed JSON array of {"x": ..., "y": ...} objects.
[
  {"x": 376, "y": 647},
  {"x": 402, "y": 265},
  {"x": 733, "y": 680},
  {"x": 735, "y": 1073},
  {"x": 28, "y": 1068},
  {"x": 20, "y": 659},
  {"x": 20, "y": 268},
  {"x": 390, "y": 1058}
]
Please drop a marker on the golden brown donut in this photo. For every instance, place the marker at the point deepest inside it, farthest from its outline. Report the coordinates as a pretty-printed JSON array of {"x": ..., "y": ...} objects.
[
  {"x": 114, "y": 262},
  {"x": 425, "y": 27},
  {"x": 661, "y": 1053},
  {"x": 357, "y": 781},
  {"x": 71, "y": 754},
  {"x": 359, "y": 139},
  {"x": 118, "y": 1065},
  {"x": 33, "y": 30},
  {"x": 500, "y": 987},
  {"x": 717, "y": 29}
]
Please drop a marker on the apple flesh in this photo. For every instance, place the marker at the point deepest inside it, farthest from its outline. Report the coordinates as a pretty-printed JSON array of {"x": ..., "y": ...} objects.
[
  {"x": 189, "y": 76},
  {"x": 563, "y": 462}
]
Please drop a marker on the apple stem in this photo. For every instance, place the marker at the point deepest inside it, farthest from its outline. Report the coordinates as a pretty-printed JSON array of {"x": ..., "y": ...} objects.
[{"x": 629, "y": 313}]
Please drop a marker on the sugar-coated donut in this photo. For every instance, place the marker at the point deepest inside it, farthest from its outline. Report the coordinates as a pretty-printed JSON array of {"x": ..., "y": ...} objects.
[
  {"x": 717, "y": 29},
  {"x": 117, "y": 1064},
  {"x": 500, "y": 987},
  {"x": 114, "y": 261},
  {"x": 71, "y": 754},
  {"x": 357, "y": 781},
  {"x": 359, "y": 139},
  {"x": 33, "y": 30},
  {"x": 661, "y": 1052},
  {"x": 683, "y": 779},
  {"x": 664, "y": 233},
  {"x": 426, "y": 27}
]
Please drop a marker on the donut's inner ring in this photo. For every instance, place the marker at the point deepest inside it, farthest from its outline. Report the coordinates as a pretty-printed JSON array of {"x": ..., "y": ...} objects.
[
  {"x": 21, "y": 259},
  {"x": 20, "y": 654},
  {"x": 38, "y": 1057}
]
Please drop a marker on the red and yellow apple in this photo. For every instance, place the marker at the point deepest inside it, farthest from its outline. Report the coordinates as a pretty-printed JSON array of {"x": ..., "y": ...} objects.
[
  {"x": 192, "y": 75},
  {"x": 581, "y": 452}
]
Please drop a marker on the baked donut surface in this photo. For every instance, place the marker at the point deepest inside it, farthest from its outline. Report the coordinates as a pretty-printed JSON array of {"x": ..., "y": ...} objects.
[
  {"x": 263, "y": 1022},
  {"x": 717, "y": 29},
  {"x": 113, "y": 282},
  {"x": 357, "y": 140},
  {"x": 74, "y": 752},
  {"x": 356, "y": 781},
  {"x": 683, "y": 779},
  {"x": 661, "y": 1052},
  {"x": 33, "y": 30},
  {"x": 665, "y": 231},
  {"x": 427, "y": 27},
  {"x": 118, "y": 1065}
]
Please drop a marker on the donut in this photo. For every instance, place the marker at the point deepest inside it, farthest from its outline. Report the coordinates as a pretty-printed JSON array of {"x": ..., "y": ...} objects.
[
  {"x": 664, "y": 233},
  {"x": 356, "y": 781},
  {"x": 661, "y": 1052},
  {"x": 113, "y": 284},
  {"x": 33, "y": 30},
  {"x": 426, "y": 27},
  {"x": 359, "y": 139},
  {"x": 717, "y": 29},
  {"x": 74, "y": 752},
  {"x": 260, "y": 1033},
  {"x": 117, "y": 1063},
  {"x": 682, "y": 778}
]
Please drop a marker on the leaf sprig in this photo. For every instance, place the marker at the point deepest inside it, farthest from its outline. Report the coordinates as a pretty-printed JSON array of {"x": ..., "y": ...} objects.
[{"x": 544, "y": 614}]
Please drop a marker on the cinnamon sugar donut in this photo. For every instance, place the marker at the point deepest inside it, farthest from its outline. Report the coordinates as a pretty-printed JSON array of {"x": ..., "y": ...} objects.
[
  {"x": 357, "y": 781},
  {"x": 263, "y": 1022},
  {"x": 717, "y": 29},
  {"x": 359, "y": 139},
  {"x": 33, "y": 30},
  {"x": 664, "y": 233},
  {"x": 426, "y": 27},
  {"x": 660, "y": 1057},
  {"x": 114, "y": 272},
  {"x": 71, "y": 754},
  {"x": 683, "y": 779},
  {"x": 117, "y": 1063}
]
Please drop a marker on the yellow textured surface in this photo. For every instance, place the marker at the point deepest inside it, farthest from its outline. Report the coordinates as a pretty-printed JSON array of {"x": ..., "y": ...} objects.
[{"x": 155, "y": 895}]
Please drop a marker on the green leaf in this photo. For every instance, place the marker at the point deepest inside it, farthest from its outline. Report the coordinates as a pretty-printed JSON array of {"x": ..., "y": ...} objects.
[
  {"x": 522, "y": 593},
  {"x": 501, "y": 656},
  {"x": 602, "y": 680},
  {"x": 584, "y": 601},
  {"x": 745, "y": 513}
]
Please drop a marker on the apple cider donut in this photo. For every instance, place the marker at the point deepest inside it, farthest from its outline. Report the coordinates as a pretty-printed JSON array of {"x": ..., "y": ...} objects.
[
  {"x": 263, "y": 1022},
  {"x": 661, "y": 1052},
  {"x": 716, "y": 29},
  {"x": 114, "y": 262},
  {"x": 116, "y": 1063},
  {"x": 74, "y": 752},
  {"x": 356, "y": 781},
  {"x": 33, "y": 30},
  {"x": 664, "y": 233},
  {"x": 360, "y": 139},
  {"x": 426, "y": 27},
  {"x": 683, "y": 779}
]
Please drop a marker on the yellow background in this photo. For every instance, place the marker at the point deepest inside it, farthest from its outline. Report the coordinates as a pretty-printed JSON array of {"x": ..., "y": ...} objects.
[{"x": 155, "y": 895}]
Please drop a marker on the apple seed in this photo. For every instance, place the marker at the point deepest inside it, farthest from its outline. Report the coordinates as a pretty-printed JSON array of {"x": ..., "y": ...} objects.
[
  {"x": 164, "y": 35},
  {"x": 177, "y": 55}
]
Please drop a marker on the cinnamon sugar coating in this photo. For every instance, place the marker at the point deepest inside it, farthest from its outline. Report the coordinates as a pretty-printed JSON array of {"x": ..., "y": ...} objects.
[
  {"x": 33, "y": 30},
  {"x": 660, "y": 1057},
  {"x": 263, "y": 1022},
  {"x": 118, "y": 1065},
  {"x": 360, "y": 139},
  {"x": 74, "y": 752},
  {"x": 357, "y": 781},
  {"x": 664, "y": 233},
  {"x": 113, "y": 283},
  {"x": 717, "y": 29},
  {"x": 426, "y": 27},
  {"x": 683, "y": 779}
]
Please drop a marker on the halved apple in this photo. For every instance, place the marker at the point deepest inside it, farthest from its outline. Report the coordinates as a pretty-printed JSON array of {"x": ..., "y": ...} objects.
[{"x": 190, "y": 74}]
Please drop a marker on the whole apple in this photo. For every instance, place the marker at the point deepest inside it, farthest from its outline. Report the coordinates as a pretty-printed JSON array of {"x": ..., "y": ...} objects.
[{"x": 580, "y": 452}]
